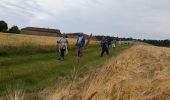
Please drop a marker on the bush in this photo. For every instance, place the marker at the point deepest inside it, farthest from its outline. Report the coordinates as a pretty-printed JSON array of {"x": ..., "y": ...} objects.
[
  {"x": 14, "y": 29},
  {"x": 3, "y": 26}
]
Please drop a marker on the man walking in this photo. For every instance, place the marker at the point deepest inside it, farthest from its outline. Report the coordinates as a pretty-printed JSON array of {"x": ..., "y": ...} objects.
[
  {"x": 104, "y": 46},
  {"x": 62, "y": 46},
  {"x": 113, "y": 43},
  {"x": 80, "y": 43}
]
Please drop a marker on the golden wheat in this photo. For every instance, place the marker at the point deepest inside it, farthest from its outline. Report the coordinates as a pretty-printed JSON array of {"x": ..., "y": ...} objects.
[
  {"x": 20, "y": 40},
  {"x": 140, "y": 73}
]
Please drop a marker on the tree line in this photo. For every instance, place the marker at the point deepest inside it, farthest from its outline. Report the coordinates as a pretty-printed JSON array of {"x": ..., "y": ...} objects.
[
  {"x": 4, "y": 28},
  {"x": 164, "y": 43}
]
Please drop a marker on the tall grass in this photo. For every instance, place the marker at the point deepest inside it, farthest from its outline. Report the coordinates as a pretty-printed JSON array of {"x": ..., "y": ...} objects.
[
  {"x": 8, "y": 40},
  {"x": 18, "y": 44},
  {"x": 141, "y": 73},
  {"x": 19, "y": 40},
  {"x": 23, "y": 44},
  {"x": 39, "y": 71},
  {"x": 15, "y": 92}
]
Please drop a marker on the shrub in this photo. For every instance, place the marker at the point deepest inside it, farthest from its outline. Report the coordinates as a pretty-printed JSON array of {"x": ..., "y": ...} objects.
[
  {"x": 14, "y": 29},
  {"x": 3, "y": 26}
]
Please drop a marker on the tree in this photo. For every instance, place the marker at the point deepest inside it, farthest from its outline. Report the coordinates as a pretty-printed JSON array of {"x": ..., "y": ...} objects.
[
  {"x": 14, "y": 29},
  {"x": 3, "y": 26}
]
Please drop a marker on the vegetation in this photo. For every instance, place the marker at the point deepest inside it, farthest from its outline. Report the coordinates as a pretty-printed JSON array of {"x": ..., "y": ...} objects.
[
  {"x": 164, "y": 43},
  {"x": 99, "y": 37},
  {"x": 19, "y": 44},
  {"x": 14, "y": 29},
  {"x": 35, "y": 64},
  {"x": 3, "y": 26},
  {"x": 136, "y": 74}
]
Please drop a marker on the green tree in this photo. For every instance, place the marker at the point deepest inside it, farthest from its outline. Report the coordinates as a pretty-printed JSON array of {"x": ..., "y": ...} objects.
[
  {"x": 14, "y": 29},
  {"x": 3, "y": 26}
]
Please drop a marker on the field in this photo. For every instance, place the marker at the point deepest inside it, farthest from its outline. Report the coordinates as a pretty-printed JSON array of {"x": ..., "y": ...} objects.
[
  {"x": 30, "y": 63},
  {"x": 140, "y": 73},
  {"x": 29, "y": 43},
  {"x": 20, "y": 40}
]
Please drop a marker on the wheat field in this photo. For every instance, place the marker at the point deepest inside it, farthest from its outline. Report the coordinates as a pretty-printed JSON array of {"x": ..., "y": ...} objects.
[
  {"x": 20, "y": 40},
  {"x": 140, "y": 73},
  {"x": 8, "y": 40}
]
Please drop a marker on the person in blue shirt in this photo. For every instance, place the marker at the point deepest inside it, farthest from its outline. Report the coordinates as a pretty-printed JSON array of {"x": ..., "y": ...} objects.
[
  {"x": 104, "y": 46},
  {"x": 113, "y": 43},
  {"x": 80, "y": 43}
]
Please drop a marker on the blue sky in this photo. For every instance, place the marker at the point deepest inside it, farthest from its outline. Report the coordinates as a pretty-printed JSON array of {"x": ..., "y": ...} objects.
[{"x": 125, "y": 18}]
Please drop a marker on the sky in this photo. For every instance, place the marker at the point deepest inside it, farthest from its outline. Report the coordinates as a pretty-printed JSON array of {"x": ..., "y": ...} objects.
[{"x": 149, "y": 19}]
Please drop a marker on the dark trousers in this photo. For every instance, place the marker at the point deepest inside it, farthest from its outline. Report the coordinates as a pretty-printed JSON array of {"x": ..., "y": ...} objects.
[
  {"x": 80, "y": 51},
  {"x": 62, "y": 53},
  {"x": 105, "y": 50}
]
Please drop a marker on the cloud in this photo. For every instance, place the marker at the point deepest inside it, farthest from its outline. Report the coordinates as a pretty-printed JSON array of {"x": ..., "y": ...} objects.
[{"x": 127, "y": 18}]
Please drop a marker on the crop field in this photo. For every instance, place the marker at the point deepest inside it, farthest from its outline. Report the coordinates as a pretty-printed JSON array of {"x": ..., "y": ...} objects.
[
  {"x": 29, "y": 67},
  {"x": 20, "y": 40},
  {"x": 140, "y": 73},
  {"x": 19, "y": 43}
]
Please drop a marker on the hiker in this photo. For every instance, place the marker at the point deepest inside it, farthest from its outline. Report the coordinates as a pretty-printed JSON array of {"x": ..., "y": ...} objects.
[
  {"x": 63, "y": 45},
  {"x": 104, "y": 46},
  {"x": 80, "y": 43},
  {"x": 113, "y": 43}
]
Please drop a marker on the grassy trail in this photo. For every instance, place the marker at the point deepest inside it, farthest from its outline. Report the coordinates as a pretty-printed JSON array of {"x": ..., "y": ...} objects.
[{"x": 39, "y": 71}]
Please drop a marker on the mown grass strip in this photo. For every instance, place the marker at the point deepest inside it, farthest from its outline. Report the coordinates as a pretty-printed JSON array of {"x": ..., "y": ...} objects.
[{"x": 39, "y": 71}]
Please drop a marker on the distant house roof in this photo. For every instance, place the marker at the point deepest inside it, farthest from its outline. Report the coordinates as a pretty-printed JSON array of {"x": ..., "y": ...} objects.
[
  {"x": 42, "y": 29},
  {"x": 75, "y": 34}
]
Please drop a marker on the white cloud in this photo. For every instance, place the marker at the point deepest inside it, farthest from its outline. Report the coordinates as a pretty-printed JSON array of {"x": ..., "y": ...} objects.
[
  {"x": 40, "y": 17},
  {"x": 128, "y": 18}
]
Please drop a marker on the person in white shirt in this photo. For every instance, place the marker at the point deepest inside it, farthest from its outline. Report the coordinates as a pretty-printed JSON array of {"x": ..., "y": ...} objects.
[{"x": 63, "y": 46}]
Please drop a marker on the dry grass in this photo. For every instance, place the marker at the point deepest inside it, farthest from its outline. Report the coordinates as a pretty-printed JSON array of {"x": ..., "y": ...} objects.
[
  {"x": 14, "y": 93},
  {"x": 19, "y": 40},
  {"x": 140, "y": 73},
  {"x": 8, "y": 40}
]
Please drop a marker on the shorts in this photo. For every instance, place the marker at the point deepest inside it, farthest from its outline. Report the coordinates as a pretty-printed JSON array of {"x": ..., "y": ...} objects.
[{"x": 113, "y": 45}]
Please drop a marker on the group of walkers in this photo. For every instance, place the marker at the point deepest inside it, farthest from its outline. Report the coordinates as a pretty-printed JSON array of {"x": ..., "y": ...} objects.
[{"x": 81, "y": 43}]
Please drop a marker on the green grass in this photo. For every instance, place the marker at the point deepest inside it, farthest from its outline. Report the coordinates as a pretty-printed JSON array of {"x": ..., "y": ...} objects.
[
  {"x": 40, "y": 70},
  {"x": 25, "y": 50}
]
